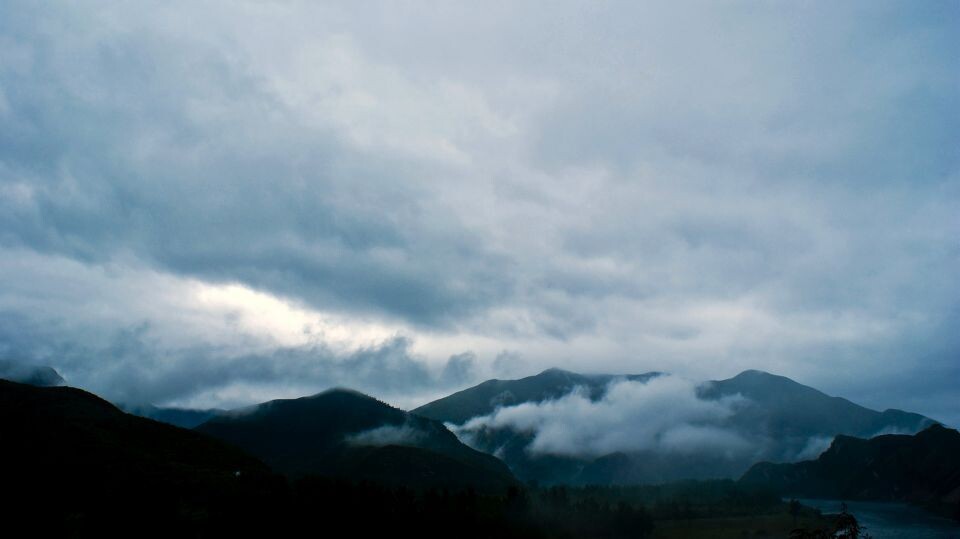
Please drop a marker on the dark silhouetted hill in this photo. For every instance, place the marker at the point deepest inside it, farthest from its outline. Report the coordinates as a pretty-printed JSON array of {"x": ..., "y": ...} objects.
[
  {"x": 343, "y": 433},
  {"x": 76, "y": 465},
  {"x": 922, "y": 469}
]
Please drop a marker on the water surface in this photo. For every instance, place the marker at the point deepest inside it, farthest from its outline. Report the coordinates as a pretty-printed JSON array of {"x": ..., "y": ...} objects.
[{"x": 893, "y": 520}]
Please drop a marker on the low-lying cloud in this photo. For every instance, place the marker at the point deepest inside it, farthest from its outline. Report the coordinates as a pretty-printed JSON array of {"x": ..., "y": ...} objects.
[
  {"x": 814, "y": 447},
  {"x": 404, "y": 434},
  {"x": 661, "y": 415}
]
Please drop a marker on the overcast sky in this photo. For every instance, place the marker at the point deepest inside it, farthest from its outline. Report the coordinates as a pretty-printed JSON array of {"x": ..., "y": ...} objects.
[{"x": 215, "y": 203}]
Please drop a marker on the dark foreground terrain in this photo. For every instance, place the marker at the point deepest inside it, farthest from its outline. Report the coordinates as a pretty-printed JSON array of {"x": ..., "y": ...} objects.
[
  {"x": 923, "y": 470},
  {"x": 342, "y": 463}
]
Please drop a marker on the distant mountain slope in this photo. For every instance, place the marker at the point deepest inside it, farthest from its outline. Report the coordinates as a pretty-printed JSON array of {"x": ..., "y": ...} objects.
[
  {"x": 923, "y": 468},
  {"x": 785, "y": 410},
  {"x": 779, "y": 418},
  {"x": 43, "y": 376},
  {"x": 343, "y": 433},
  {"x": 76, "y": 462},
  {"x": 186, "y": 418},
  {"x": 483, "y": 399},
  {"x": 34, "y": 375}
]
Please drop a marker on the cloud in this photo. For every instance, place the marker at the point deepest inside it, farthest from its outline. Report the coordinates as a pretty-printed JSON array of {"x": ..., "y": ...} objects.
[
  {"x": 388, "y": 435},
  {"x": 697, "y": 188},
  {"x": 663, "y": 415},
  {"x": 141, "y": 337},
  {"x": 143, "y": 370},
  {"x": 28, "y": 374},
  {"x": 813, "y": 448}
]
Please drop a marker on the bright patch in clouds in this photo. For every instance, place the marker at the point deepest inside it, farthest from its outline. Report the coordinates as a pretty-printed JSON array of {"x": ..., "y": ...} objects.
[{"x": 260, "y": 313}]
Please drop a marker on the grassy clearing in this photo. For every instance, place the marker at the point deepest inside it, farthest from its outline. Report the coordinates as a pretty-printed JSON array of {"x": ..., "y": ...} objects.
[{"x": 772, "y": 526}]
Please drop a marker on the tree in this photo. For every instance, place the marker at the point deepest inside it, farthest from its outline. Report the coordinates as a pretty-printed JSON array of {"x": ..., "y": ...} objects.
[
  {"x": 847, "y": 526},
  {"x": 794, "y": 510}
]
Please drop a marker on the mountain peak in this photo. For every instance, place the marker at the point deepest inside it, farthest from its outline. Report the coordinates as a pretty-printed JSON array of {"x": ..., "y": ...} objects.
[
  {"x": 758, "y": 374},
  {"x": 488, "y": 396},
  {"x": 345, "y": 433},
  {"x": 751, "y": 382},
  {"x": 341, "y": 392},
  {"x": 938, "y": 429},
  {"x": 757, "y": 379},
  {"x": 34, "y": 375},
  {"x": 553, "y": 371}
]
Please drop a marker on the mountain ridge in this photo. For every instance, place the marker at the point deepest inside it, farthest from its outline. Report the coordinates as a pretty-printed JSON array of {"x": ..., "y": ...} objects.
[
  {"x": 483, "y": 398},
  {"x": 186, "y": 418},
  {"x": 331, "y": 433},
  {"x": 783, "y": 419}
]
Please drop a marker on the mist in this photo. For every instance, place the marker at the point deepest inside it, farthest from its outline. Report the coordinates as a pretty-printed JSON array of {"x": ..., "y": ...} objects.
[
  {"x": 404, "y": 434},
  {"x": 663, "y": 415}
]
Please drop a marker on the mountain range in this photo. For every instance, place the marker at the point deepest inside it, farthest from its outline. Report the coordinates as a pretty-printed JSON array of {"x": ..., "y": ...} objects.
[
  {"x": 343, "y": 433},
  {"x": 336, "y": 433},
  {"x": 77, "y": 465},
  {"x": 778, "y": 418},
  {"x": 486, "y": 397}
]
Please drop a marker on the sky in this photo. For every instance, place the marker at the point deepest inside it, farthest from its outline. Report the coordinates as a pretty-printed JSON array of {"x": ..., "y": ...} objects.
[{"x": 219, "y": 203}]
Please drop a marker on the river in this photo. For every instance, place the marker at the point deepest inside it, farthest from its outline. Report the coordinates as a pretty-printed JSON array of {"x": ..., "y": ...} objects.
[{"x": 893, "y": 520}]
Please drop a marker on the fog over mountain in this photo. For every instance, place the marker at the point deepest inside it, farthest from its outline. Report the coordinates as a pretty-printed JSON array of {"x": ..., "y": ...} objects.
[
  {"x": 564, "y": 427},
  {"x": 210, "y": 205},
  {"x": 34, "y": 375},
  {"x": 662, "y": 415}
]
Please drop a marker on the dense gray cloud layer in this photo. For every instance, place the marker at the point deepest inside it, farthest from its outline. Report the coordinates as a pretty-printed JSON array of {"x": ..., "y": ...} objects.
[
  {"x": 663, "y": 415},
  {"x": 699, "y": 188}
]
